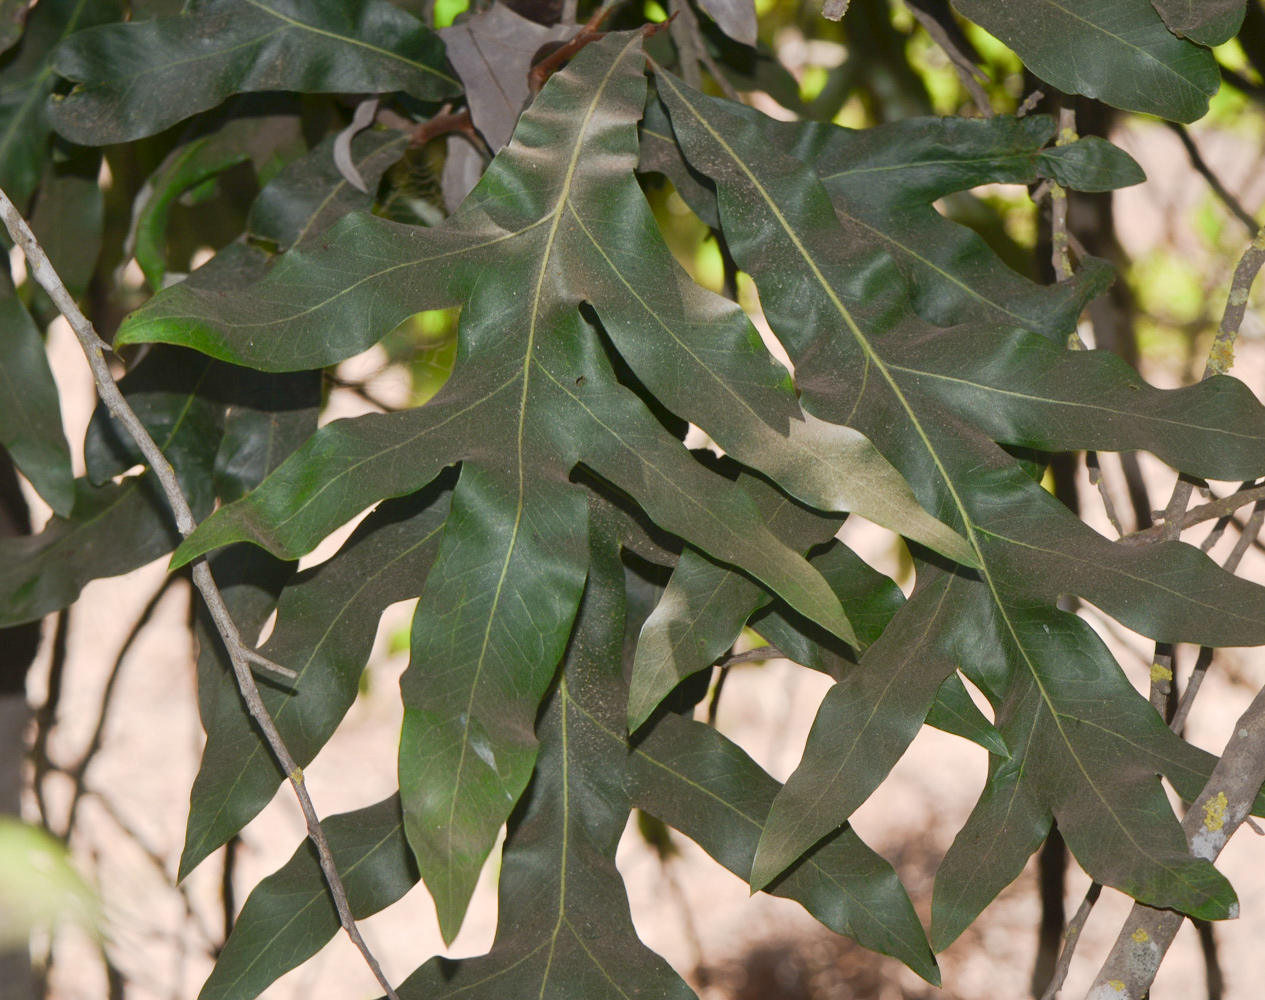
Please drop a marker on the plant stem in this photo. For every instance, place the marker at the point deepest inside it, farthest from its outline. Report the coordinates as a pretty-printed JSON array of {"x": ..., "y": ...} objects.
[{"x": 41, "y": 269}]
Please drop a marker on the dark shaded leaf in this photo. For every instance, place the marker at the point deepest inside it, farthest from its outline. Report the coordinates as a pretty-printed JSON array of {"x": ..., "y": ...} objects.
[
  {"x": 1090, "y": 164},
  {"x": 694, "y": 779},
  {"x": 271, "y": 416},
  {"x": 194, "y": 163},
  {"x": 13, "y": 14},
  {"x": 783, "y": 230},
  {"x": 290, "y": 915},
  {"x": 25, "y": 83},
  {"x": 1208, "y": 22},
  {"x": 1118, "y": 51},
  {"x": 955, "y": 712},
  {"x": 30, "y": 414},
  {"x": 310, "y": 195},
  {"x": 225, "y": 47},
  {"x": 864, "y": 725},
  {"x": 736, "y": 18},
  {"x": 493, "y": 52},
  {"x": 112, "y": 529},
  {"x": 326, "y": 621},
  {"x": 68, "y": 219},
  {"x": 869, "y": 598},
  {"x": 564, "y": 929},
  {"x": 176, "y": 395}
]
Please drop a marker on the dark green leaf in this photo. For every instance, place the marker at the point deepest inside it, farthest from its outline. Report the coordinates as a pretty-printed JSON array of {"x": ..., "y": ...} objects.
[
  {"x": 310, "y": 194},
  {"x": 326, "y": 620},
  {"x": 955, "y": 712},
  {"x": 190, "y": 165},
  {"x": 838, "y": 308},
  {"x": 564, "y": 929},
  {"x": 1208, "y": 22},
  {"x": 568, "y": 405},
  {"x": 706, "y": 604},
  {"x": 290, "y": 915},
  {"x": 884, "y": 182},
  {"x": 271, "y": 416},
  {"x": 869, "y": 598},
  {"x": 1118, "y": 51},
  {"x": 697, "y": 781},
  {"x": 25, "y": 83},
  {"x": 864, "y": 725},
  {"x": 178, "y": 396},
  {"x": 137, "y": 79},
  {"x": 467, "y": 748},
  {"x": 30, "y": 415},
  {"x": 112, "y": 529},
  {"x": 1090, "y": 164},
  {"x": 68, "y": 219}
]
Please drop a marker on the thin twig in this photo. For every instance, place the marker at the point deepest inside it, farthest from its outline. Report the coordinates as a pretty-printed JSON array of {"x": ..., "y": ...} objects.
[
  {"x": 713, "y": 704},
  {"x": 1058, "y": 203},
  {"x": 80, "y": 770},
  {"x": 971, "y": 75},
  {"x": 46, "y": 717},
  {"x": 1197, "y": 161},
  {"x": 1096, "y": 479},
  {"x": 240, "y": 654},
  {"x": 1221, "y": 354},
  {"x": 1204, "y": 659},
  {"x": 1215, "y": 509},
  {"x": 759, "y": 653},
  {"x": 1030, "y": 103},
  {"x": 1071, "y": 938}
]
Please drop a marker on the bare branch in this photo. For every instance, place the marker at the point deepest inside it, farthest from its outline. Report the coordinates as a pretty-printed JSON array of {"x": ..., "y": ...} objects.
[
  {"x": 970, "y": 74},
  {"x": 1197, "y": 161},
  {"x": 1071, "y": 937},
  {"x": 1216, "y": 509},
  {"x": 1218, "y": 811},
  {"x": 41, "y": 269},
  {"x": 1058, "y": 203},
  {"x": 1221, "y": 354}
]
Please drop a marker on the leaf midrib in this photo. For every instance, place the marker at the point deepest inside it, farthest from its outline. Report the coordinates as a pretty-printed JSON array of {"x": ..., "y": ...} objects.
[
  {"x": 968, "y": 523},
  {"x": 537, "y": 307}
]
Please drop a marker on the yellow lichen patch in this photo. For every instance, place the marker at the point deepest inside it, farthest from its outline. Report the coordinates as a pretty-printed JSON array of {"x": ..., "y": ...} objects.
[
  {"x": 297, "y": 775},
  {"x": 1214, "y": 812},
  {"x": 1159, "y": 672},
  {"x": 1117, "y": 985},
  {"x": 1141, "y": 936},
  {"x": 1221, "y": 357}
]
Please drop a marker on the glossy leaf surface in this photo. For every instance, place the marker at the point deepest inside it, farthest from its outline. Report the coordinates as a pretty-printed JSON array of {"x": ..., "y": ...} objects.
[
  {"x": 533, "y": 392},
  {"x": 1119, "y": 51},
  {"x": 564, "y": 928},
  {"x": 225, "y": 47},
  {"x": 326, "y": 620},
  {"x": 1208, "y": 22},
  {"x": 850, "y": 365}
]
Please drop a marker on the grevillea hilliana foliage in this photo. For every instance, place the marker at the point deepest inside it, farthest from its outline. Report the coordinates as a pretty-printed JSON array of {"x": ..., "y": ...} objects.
[{"x": 576, "y": 567}]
